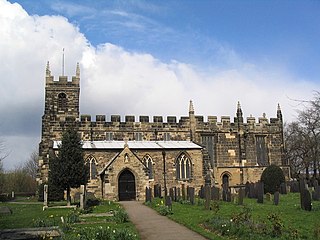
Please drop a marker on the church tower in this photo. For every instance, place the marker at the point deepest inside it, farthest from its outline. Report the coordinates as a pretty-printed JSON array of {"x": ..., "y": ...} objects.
[{"x": 61, "y": 107}]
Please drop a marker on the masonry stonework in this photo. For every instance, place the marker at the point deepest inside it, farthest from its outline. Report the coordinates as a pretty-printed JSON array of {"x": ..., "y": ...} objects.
[{"x": 190, "y": 148}]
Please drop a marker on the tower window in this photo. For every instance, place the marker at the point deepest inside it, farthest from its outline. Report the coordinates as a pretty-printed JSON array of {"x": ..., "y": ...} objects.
[
  {"x": 183, "y": 167},
  {"x": 62, "y": 102},
  {"x": 91, "y": 164},
  {"x": 149, "y": 163}
]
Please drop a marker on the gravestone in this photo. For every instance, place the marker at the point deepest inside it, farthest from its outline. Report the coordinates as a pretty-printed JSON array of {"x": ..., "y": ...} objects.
[
  {"x": 283, "y": 188},
  {"x": 148, "y": 194},
  {"x": 302, "y": 188},
  {"x": 4, "y": 210},
  {"x": 45, "y": 195},
  {"x": 207, "y": 195},
  {"x": 268, "y": 197},
  {"x": 183, "y": 192},
  {"x": 251, "y": 191},
  {"x": 169, "y": 202},
  {"x": 191, "y": 195},
  {"x": 241, "y": 195},
  {"x": 12, "y": 194},
  {"x": 247, "y": 189},
  {"x": 171, "y": 194},
  {"x": 82, "y": 197},
  {"x": 215, "y": 195},
  {"x": 307, "y": 204},
  {"x": 175, "y": 194},
  {"x": 276, "y": 198},
  {"x": 260, "y": 191},
  {"x": 188, "y": 193},
  {"x": 157, "y": 190},
  {"x": 201, "y": 192},
  {"x": 178, "y": 194}
]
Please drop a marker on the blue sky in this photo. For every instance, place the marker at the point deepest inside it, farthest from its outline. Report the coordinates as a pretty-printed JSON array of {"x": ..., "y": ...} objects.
[
  {"x": 152, "y": 57},
  {"x": 271, "y": 32}
]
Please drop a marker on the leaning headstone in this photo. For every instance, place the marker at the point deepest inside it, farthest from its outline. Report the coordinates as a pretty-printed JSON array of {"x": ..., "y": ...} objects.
[
  {"x": 207, "y": 196},
  {"x": 45, "y": 195},
  {"x": 260, "y": 192},
  {"x": 183, "y": 192},
  {"x": 276, "y": 198},
  {"x": 191, "y": 195},
  {"x": 307, "y": 200}
]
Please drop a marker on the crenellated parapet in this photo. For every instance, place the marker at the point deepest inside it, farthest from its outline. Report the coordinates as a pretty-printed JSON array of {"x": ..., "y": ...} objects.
[{"x": 62, "y": 80}]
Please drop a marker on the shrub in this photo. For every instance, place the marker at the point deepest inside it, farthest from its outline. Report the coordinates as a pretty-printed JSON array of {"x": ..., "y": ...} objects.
[
  {"x": 164, "y": 210},
  {"x": 120, "y": 216},
  {"x": 272, "y": 177}
]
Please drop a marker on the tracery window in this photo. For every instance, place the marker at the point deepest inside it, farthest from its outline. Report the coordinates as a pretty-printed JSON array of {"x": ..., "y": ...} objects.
[
  {"x": 62, "y": 102},
  {"x": 91, "y": 164},
  {"x": 183, "y": 167},
  {"x": 262, "y": 151},
  {"x": 149, "y": 163}
]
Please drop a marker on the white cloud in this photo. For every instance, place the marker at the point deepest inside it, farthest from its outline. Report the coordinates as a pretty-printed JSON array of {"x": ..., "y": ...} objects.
[{"x": 116, "y": 81}]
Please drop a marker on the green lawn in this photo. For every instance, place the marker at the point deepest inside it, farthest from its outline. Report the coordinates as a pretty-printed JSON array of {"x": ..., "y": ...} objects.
[
  {"x": 75, "y": 225},
  {"x": 293, "y": 222}
]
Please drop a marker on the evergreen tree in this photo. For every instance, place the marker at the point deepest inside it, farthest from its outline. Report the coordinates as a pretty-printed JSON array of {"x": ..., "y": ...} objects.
[{"x": 68, "y": 169}]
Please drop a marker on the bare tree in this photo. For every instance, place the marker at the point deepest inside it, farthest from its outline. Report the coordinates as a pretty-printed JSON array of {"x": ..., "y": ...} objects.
[{"x": 31, "y": 165}]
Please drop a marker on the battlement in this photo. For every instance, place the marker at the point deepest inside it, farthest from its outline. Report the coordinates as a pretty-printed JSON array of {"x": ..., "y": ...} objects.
[
  {"x": 63, "y": 80},
  {"x": 211, "y": 120}
]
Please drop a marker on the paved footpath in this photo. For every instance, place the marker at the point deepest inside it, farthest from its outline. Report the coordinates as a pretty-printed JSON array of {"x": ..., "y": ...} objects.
[{"x": 152, "y": 226}]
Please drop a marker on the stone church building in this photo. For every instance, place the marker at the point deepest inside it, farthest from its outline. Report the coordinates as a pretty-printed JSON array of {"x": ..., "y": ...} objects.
[{"x": 127, "y": 155}]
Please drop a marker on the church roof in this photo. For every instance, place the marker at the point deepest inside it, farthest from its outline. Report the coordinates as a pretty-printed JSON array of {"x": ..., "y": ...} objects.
[{"x": 136, "y": 145}]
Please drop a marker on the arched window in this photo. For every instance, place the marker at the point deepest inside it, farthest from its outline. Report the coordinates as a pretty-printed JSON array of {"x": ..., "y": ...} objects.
[
  {"x": 149, "y": 163},
  {"x": 62, "y": 102},
  {"x": 91, "y": 164},
  {"x": 183, "y": 167}
]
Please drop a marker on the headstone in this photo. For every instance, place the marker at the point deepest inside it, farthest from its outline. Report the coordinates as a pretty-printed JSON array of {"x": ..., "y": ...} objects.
[
  {"x": 45, "y": 195},
  {"x": 169, "y": 202},
  {"x": 175, "y": 194},
  {"x": 178, "y": 194},
  {"x": 171, "y": 194},
  {"x": 148, "y": 194},
  {"x": 188, "y": 193},
  {"x": 201, "y": 192},
  {"x": 247, "y": 189},
  {"x": 276, "y": 198},
  {"x": 82, "y": 197},
  {"x": 260, "y": 191},
  {"x": 12, "y": 194},
  {"x": 183, "y": 192},
  {"x": 4, "y": 210},
  {"x": 307, "y": 200},
  {"x": 226, "y": 194},
  {"x": 302, "y": 188},
  {"x": 251, "y": 190},
  {"x": 207, "y": 196},
  {"x": 268, "y": 197},
  {"x": 215, "y": 195},
  {"x": 191, "y": 195},
  {"x": 241, "y": 195},
  {"x": 283, "y": 188}
]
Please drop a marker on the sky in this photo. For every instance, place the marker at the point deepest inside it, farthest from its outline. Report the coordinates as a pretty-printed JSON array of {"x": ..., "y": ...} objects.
[{"x": 153, "y": 57}]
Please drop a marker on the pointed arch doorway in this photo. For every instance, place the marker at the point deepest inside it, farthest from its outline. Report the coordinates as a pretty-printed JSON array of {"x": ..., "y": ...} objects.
[{"x": 127, "y": 186}]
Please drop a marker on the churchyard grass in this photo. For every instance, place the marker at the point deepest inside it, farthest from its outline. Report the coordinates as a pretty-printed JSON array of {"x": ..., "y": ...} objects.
[
  {"x": 76, "y": 224},
  {"x": 227, "y": 220}
]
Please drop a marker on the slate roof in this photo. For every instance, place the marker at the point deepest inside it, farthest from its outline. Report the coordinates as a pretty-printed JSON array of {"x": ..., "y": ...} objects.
[{"x": 136, "y": 145}]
